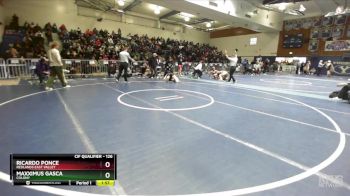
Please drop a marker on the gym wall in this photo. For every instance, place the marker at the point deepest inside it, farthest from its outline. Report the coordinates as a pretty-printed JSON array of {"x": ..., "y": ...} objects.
[
  {"x": 266, "y": 44},
  {"x": 66, "y": 12}
]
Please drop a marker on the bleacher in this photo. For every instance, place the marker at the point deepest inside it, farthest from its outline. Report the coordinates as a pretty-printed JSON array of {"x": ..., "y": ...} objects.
[{"x": 10, "y": 37}]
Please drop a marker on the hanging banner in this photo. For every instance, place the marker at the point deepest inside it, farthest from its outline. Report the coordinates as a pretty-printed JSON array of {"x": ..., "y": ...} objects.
[
  {"x": 313, "y": 45},
  {"x": 327, "y": 21},
  {"x": 340, "y": 20},
  {"x": 338, "y": 31},
  {"x": 326, "y": 32},
  {"x": 338, "y": 45},
  {"x": 315, "y": 33},
  {"x": 342, "y": 68}
]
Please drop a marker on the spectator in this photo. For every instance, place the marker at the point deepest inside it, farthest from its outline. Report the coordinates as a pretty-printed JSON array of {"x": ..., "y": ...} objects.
[
  {"x": 48, "y": 27},
  {"x": 63, "y": 28},
  {"x": 54, "y": 28},
  {"x": 99, "y": 44},
  {"x": 12, "y": 52},
  {"x": 48, "y": 35},
  {"x": 14, "y": 22},
  {"x": 42, "y": 69}
]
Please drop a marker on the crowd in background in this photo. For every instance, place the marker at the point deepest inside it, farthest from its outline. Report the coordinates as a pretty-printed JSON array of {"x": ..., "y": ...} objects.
[
  {"x": 101, "y": 44},
  {"x": 32, "y": 45}
]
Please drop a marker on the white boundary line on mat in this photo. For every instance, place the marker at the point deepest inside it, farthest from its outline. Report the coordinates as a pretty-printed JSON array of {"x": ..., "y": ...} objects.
[
  {"x": 210, "y": 98},
  {"x": 308, "y": 172},
  {"x": 286, "y": 82},
  {"x": 119, "y": 190}
]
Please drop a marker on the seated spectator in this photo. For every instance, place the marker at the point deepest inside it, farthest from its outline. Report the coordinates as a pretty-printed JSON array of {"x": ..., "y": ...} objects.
[
  {"x": 48, "y": 27},
  {"x": 48, "y": 35},
  {"x": 54, "y": 28},
  {"x": 12, "y": 52},
  {"x": 37, "y": 28},
  {"x": 32, "y": 25},
  {"x": 63, "y": 28},
  {"x": 102, "y": 44},
  {"x": 26, "y": 26}
]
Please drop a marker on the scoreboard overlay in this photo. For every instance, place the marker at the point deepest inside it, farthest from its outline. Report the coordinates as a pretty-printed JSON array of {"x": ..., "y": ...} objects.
[{"x": 63, "y": 169}]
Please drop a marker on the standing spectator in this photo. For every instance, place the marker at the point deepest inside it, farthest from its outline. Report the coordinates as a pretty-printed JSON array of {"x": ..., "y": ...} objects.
[
  {"x": 14, "y": 22},
  {"x": 56, "y": 67},
  {"x": 180, "y": 59},
  {"x": 119, "y": 33}
]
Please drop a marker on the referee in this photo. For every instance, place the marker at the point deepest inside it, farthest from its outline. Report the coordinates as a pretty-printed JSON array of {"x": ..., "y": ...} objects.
[
  {"x": 124, "y": 57},
  {"x": 233, "y": 62}
]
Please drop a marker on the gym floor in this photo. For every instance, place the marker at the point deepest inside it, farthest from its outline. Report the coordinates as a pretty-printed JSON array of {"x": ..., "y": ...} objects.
[{"x": 264, "y": 135}]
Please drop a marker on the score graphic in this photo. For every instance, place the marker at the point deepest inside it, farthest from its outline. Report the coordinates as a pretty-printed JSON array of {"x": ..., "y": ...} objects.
[{"x": 64, "y": 169}]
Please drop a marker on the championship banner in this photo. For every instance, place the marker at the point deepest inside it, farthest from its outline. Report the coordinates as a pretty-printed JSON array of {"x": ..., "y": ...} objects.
[
  {"x": 338, "y": 45},
  {"x": 315, "y": 33},
  {"x": 327, "y": 21},
  {"x": 313, "y": 45},
  {"x": 342, "y": 68},
  {"x": 340, "y": 20},
  {"x": 338, "y": 31},
  {"x": 326, "y": 32}
]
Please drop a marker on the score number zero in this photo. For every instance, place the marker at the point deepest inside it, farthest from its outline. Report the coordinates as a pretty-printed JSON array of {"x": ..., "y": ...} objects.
[{"x": 107, "y": 164}]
